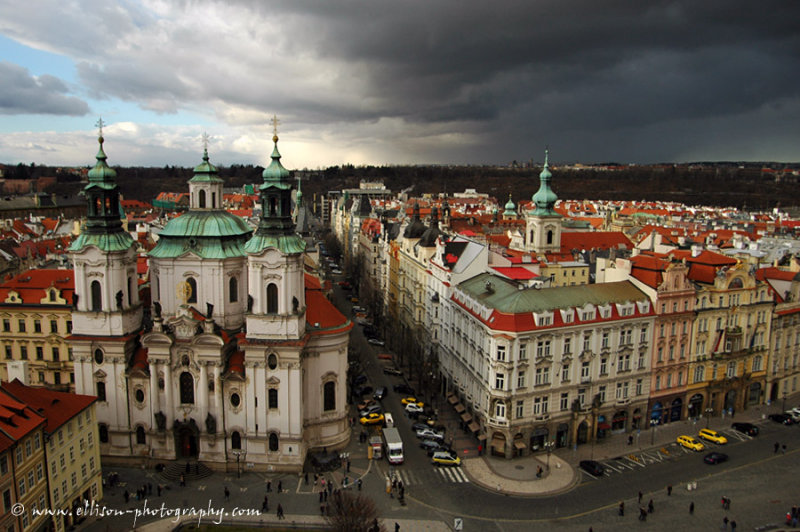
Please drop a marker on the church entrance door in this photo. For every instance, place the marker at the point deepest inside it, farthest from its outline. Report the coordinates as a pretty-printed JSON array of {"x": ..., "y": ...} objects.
[{"x": 188, "y": 443}]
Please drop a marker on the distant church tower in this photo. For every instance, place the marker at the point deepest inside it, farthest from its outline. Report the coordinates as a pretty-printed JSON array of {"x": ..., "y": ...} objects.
[
  {"x": 108, "y": 313},
  {"x": 543, "y": 224}
]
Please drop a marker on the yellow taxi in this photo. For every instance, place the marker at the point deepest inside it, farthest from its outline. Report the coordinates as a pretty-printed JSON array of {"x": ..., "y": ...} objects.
[
  {"x": 409, "y": 400},
  {"x": 372, "y": 418},
  {"x": 713, "y": 436},
  {"x": 446, "y": 458},
  {"x": 690, "y": 443}
]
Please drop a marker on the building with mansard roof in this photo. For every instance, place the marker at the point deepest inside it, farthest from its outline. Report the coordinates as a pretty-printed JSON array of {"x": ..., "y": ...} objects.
[{"x": 242, "y": 360}]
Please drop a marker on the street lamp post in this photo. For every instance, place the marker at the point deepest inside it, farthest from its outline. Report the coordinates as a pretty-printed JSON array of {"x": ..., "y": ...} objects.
[
  {"x": 548, "y": 445},
  {"x": 783, "y": 406},
  {"x": 708, "y": 411},
  {"x": 238, "y": 453},
  {"x": 653, "y": 425}
]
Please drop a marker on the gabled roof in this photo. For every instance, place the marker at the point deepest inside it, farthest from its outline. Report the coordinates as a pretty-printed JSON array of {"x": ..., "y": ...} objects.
[
  {"x": 17, "y": 419},
  {"x": 587, "y": 240},
  {"x": 517, "y": 273},
  {"x": 56, "y": 407},
  {"x": 32, "y": 285}
]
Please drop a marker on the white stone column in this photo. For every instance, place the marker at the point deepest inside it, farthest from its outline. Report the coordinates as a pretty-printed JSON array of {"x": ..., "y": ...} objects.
[
  {"x": 154, "y": 402},
  {"x": 203, "y": 399},
  {"x": 218, "y": 398},
  {"x": 169, "y": 408}
]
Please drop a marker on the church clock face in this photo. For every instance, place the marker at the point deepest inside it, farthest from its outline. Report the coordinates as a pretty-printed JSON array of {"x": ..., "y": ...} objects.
[{"x": 183, "y": 291}]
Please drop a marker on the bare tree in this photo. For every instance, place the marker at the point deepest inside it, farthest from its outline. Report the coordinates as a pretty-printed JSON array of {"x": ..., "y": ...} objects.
[{"x": 348, "y": 512}]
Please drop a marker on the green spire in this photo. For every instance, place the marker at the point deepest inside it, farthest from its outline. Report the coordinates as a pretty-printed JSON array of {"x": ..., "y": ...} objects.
[
  {"x": 510, "y": 207},
  {"x": 545, "y": 198},
  {"x": 205, "y": 171},
  {"x": 101, "y": 175},
  {"x": 299, "y": 197}
]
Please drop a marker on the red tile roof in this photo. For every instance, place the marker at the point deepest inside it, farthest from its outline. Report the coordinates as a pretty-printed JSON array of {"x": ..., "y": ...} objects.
[
  {"x": 56, "y": 407},
  {"x": 587, "y": 240},
  {"x": 32, "y": 284},
  {"x": 517, "y": 273},
  {"x": 17, "y": 419}
]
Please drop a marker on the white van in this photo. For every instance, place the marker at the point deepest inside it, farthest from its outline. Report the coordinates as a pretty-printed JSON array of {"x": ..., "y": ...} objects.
[{"x": 388, "y": 420}]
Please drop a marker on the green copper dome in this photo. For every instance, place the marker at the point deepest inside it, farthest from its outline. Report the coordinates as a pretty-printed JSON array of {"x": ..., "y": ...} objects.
[
  {"x": 101, "y": 175},
  {"x": 208, "y": 234},
  {"x": 510, "y": 207},
  {"x": 545, "y": 198},
  {"x": 275, "y": 175},
  {"x": 205, "y": 172}
]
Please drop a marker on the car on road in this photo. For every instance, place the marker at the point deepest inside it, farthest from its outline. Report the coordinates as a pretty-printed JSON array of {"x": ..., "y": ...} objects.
[
  {"x": 403, "y": 388},
  {"x": 592, "y": 467},
  {"x": 365, "y": 403},
  {"x": 380, "y": 393},
  {"x": 373, "y": 418},
  {"x": 336, "y": 271},
  {"x": 345, "y": 285},
  {"x": 431, "y": 446},
  {"x": 795, "y": 414},
  {"x": 414, "y": 409},
  {"x": 362, "y": 390},
  {"x": 376, "y": 341},
  {"x": 745, "y": 428},
  {"x": 358, "y": 380},
  {"x": 411, "y": 399},
  {"x": 371, "y": 409},
  {"x": 712, "y": 436},
  {"x": 446, "y": 458},
  {"x": 391, "y": 370},
  {"x": 430, "y": 434},
  {"x": 358, "y": 310},
  {"x": 690, "y": 443},
  {"x": 419, "y": 426},
  {"x": 784, "y": 419},
  {"x": 715, "y": 457}
]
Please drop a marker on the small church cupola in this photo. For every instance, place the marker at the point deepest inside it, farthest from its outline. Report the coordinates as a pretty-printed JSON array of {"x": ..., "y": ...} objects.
[
  {"x": 276, "y": 200},
  {"x": 415, "y": 228},
  {"x": 431, "y": 234},
  {"x": 510, "y": 211},
  {"x": 205, "y": 188},
  {"x": 544, "y": 199},
  {"x": 102, "y": 194}
]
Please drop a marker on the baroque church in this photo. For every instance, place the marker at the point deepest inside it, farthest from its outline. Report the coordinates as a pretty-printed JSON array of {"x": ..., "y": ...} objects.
[{"x": 243, "y": 358}]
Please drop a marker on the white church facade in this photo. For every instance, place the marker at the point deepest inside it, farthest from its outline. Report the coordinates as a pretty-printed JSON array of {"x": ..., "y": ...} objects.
[{"x": 243, "y": 358}]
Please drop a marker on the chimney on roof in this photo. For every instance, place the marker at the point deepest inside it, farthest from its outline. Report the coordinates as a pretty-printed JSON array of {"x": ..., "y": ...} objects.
[{"x": 696, "y": 250}]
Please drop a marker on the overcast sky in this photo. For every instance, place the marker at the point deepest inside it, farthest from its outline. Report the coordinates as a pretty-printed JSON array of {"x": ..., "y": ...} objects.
[{"x": 397, "y": 82}]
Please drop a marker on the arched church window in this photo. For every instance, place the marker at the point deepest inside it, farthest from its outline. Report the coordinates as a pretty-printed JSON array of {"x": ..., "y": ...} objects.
[
  {"x": 273, "y": 442},
  {"x": 272, "y": 298},
  {"x": 97, "y": 296},
  {"x": 236, "y": 440},
  {"x": 233, "y": 290},
  {"x": 329, "y": 396},
  {"x": 550, "y": 237},
  {"x": 98, "y": 356},
  {"x": 187, "y": 388},
  {"x": 272, "y": 361},
  {"x": 101, "y": 391},
  {"x": 192, "y": 290},
  {"x": 140, "y": 436},
  {"x": 102, "y": 432},
  {"x": 272, "y": 397},
  {"x": 201, "y": 199}
]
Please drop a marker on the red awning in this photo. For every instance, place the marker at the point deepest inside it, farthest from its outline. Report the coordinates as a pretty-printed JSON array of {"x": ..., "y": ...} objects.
[{"x": 603, "y": 426}]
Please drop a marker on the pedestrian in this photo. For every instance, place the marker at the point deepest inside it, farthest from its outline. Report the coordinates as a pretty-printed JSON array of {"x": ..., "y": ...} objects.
[
  {"x": 306, "y": 477},
  {"x": 315, "y": 480},
  {"x": 733, "y": 525},
  {"x": 650, "y": 507},
  {"x": 783, "y": 448},
  {"x": 127, "y": 496},
  {"x": 321, "y": 508},
  {"x": 183, "y": 480},
  {"x": 359, "y": 484},
  {"x": 630, "y": 439},
  {"x": 187, "y": 468},
  {"x": 402, "y": 492},
  {"x": 323, "y": 483},
  {"x": 669, "y": 490},
  {"x": 621, "y": 508},
  {"x": 642, "y": 514},
  {"x": 320, "y": 496},
  {"x": 280, "y": 486},
  {"x": 640, "y": 497},
  {"x": 691, "y": 508},
  {"x": 280, "y": 511},
  {"x": 265, "y": 504},
  {"x": 269, "y": 485},
  {"x": 325, "y": 496},
  {"x": 227, "y": 494},
  {"x": 777, "y": 446},
  {"x": 389, "y": 487},
  {"x": 396, "y": 527},
  {"x": 725, "y": 523}
]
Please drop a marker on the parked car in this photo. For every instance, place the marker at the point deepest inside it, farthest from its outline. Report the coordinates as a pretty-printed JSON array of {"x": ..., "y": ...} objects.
[
  {"x": 380, "y": 393},
  {"x": 592, "y": 467},
  {"x": 413, "y": 409},
  {"x": 746, "y": 428},
  {"x": 431, "y": 446},
  {"x": 357, "y": 309},
  {"x": 365, "y": 403},
  {"x": 794, "y": 413},
  {"x": 690, "y": 443},
  {"x": 713, "y": 436},
  {"x": 345, "y": 285},
  {"x": 410, "y": 399},
  {"x": 376, "y": 341},
  {"x": 784, "y": 419},
  {"x": 403, "y": 388},
  {"x": 358, "y": 380},
  {"x": 362, "y": 390},
  {"x": 714, "y": 458},
  {"x": 446, "y": 458},
  {"x": 371, "y": 409},
  {"x": 419, "y": 426},
  {"x": 372, "y": 419},
  {"x": 391, "y": 370},
  {"x": 430, "y": 434},
  {"x": 336, "y": 271}
]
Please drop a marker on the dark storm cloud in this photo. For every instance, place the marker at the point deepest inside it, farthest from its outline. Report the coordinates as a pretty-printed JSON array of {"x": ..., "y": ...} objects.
[{"x": 20, "y": 92}]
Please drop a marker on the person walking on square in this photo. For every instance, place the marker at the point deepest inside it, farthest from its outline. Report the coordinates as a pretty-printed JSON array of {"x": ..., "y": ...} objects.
[
  {"x": 650, "y": 507},
  {"x": 265, "y": 504},
  {"x": 280, "y": 511},
  {"x": 622, "y": 508},
  {"x": 280, "y": 486},
  {"x": 227, "y": 494},
  {"x": 640, "y": 497},
  {"x": 691, "y": 508},
  {"x": 269, "y": 486}
]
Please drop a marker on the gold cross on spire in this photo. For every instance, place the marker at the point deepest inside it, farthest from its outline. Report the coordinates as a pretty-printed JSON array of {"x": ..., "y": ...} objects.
[
  {"x": 275, "y": 123},
  {"x": 100, "y": 125}
]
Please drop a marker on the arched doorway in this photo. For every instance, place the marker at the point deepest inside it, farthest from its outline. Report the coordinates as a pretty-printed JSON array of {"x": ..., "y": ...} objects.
[
  {"x": 656, "y": 413},
  {"x": 773, "y": 394},
  {"x": 675, "y": 409},
  {"x": 186, "y": 439},
  {"x": 498, "y": 444},
  {"x": 583, "y": 432},
  {"x": 619, "y": 420},
  {"x": 755, "y": 394},
  {"x": 730, "y": 401},
  {"x": 696, "y": 405}
]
